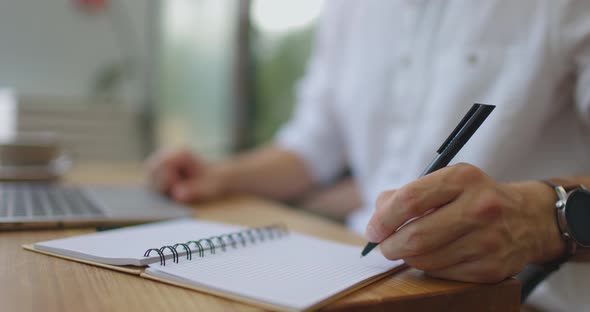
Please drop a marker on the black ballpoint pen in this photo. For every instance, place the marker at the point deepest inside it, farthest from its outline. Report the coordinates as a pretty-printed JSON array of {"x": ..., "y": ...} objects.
[{"x": 476, "y": 115}]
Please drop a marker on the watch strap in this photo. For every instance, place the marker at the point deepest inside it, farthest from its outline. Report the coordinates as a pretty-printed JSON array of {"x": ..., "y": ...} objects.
[
  {"x": 560, "y": 204},
  {"x": 567, "y": 185}
]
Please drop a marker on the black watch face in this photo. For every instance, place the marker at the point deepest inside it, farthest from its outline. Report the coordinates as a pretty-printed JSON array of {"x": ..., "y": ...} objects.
[{"x": 577, "y": 214}]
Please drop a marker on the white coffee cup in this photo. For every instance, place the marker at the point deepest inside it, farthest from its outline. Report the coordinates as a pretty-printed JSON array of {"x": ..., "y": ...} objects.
[{"x": 8, "y": 113}]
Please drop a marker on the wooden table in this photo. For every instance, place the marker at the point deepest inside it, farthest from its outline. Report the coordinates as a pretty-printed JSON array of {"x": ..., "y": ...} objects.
[{"x": 35, "y": 282}]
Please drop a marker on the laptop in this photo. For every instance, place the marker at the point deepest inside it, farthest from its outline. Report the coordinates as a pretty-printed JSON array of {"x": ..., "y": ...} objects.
[{"x": 28, "y": 205}]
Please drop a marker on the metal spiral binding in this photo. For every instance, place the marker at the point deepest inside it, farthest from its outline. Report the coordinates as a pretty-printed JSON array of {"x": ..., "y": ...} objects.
[{"x": 223, "y": 241}]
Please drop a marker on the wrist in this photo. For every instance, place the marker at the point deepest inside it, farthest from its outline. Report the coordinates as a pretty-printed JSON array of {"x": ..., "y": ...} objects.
[
  {"x": 221, "y": 175},
  {"x": 539, "y": 200}
]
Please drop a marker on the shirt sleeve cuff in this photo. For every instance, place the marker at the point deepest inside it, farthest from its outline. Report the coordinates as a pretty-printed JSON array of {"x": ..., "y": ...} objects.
[{"x": 323, "y": 165}]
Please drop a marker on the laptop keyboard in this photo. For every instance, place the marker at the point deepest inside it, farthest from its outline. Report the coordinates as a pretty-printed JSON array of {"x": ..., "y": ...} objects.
[{"x": 22, "y": 200}]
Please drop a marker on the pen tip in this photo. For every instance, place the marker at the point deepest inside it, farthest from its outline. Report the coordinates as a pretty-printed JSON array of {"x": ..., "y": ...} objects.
[{"x": 370, "y": 246}]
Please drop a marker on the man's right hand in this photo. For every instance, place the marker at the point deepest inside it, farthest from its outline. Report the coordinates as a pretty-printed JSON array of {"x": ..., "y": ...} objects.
[{"x": 183, "y": 177}]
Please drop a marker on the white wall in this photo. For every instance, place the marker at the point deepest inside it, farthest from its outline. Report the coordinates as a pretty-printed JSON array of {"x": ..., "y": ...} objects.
[{"x": 50, "y": 48}]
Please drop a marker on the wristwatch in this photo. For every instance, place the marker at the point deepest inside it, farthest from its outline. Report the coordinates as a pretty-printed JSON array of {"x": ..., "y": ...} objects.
[
  {"x": 573, "y": 219},
  {"x": 573, "y": 215}
]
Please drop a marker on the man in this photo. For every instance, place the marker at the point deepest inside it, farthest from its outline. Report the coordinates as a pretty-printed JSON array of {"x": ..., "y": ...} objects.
[{"x": 387, "y": 82}]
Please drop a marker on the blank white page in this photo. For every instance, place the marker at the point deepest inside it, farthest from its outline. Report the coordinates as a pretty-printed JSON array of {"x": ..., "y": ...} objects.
[
  {"x": 126, "y": 246},
  {"x": 294, "y": 272}
]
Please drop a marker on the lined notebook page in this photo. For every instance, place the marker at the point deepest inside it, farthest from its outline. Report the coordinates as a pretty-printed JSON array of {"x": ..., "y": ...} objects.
[
  {"x": 294, "y": 272},
  {"x": 126, "y": 246}
]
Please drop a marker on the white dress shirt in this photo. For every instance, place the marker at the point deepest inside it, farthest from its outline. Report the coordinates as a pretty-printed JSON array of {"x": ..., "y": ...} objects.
[{"x": 389, "y": 80}]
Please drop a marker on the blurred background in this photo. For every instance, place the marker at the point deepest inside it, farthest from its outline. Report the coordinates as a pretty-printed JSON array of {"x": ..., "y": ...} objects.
[{"x": 116, "y": 79}]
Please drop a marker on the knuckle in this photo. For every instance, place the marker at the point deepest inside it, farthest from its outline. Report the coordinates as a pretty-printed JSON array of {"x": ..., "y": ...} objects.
[
  {"x": 382, "y": 212},
  {"x": 409, "y": 200},
  {"x": 415, "y": 242},
  {"x": 468, "y": 173},
  {"x": 384, "y": 200},
  {"x": 488, "y": 206},
  {"x": 381, "y": 228},
  {"x": 490, "y": 243}
]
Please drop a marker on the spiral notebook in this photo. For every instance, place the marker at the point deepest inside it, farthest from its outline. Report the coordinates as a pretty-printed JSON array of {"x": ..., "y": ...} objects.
[{"x": 267, "y": 266}]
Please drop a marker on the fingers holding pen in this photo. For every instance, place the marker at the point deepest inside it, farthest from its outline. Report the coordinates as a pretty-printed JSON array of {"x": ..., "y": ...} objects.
[
  {"x": 485, "y": 232},
  {"x": 429, "y": 233},
  {"x": 395, "y": 208}
]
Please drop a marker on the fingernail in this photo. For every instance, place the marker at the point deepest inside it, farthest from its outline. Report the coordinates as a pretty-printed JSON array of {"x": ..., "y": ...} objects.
[{"x": 372, "y": 234}]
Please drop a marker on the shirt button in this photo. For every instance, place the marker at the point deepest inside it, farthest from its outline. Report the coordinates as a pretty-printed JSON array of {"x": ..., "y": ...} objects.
[
  {"x": 472, "y": 59},
  {"x": 406, "y": 61}
]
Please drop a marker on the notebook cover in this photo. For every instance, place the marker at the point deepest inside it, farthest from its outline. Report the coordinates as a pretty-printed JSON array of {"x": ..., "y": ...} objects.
[{"x": 129, "y": 269}]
